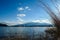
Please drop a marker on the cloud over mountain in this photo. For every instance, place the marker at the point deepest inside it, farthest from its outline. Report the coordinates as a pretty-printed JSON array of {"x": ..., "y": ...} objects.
[{"x": 42, "y": 21}]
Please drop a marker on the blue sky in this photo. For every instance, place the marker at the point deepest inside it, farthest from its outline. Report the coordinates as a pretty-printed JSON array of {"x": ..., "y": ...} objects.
[{"x": 23, "y": 10}]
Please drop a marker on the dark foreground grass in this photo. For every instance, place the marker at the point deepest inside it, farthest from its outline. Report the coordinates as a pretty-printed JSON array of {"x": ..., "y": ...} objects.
[{"x": 17, "y": 38}]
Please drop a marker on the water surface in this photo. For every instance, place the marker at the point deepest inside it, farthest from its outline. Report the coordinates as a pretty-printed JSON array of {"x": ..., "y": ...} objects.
[{"x": 5, "y": 31}]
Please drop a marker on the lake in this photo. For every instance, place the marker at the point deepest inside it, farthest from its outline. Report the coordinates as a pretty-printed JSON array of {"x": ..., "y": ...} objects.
[{"x": 5, "y": 31}]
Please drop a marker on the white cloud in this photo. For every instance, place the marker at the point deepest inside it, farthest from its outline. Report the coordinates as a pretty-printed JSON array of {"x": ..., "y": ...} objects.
[
  {"x": 58, "y": 6},
  {"x": 20, "y": 9},
  {"x": 19, "y": 19},
  {"x": 20, "y": 22},
  {"x": 46, "y": 21},
  {"x": 21, "y": 15},
  {"x": 26, "y": 7},
  {"x": 29, "y": 9},
  {"x": 36, "y": 21},
  {"x": 42, "y": 21},
  {"x": 11, "y": 22}
]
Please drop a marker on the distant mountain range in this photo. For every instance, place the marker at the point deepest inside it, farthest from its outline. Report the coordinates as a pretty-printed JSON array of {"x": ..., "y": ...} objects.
[{"x": 32, "y": 24}]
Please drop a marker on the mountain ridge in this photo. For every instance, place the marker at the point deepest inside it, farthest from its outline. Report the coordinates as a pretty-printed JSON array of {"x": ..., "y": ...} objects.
[{"x": 32, "y": 24}]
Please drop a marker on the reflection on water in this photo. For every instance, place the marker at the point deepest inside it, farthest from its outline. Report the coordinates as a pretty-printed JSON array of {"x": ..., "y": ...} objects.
[{"x": 5, "y": 31}]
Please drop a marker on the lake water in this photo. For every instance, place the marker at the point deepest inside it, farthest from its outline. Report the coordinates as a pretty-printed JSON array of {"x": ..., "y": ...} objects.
[{"x": 5, "y": 31}]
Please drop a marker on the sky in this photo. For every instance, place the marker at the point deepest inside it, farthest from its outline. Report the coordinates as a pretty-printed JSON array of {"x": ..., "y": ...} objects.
[{"x": 22, "y": 11}]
